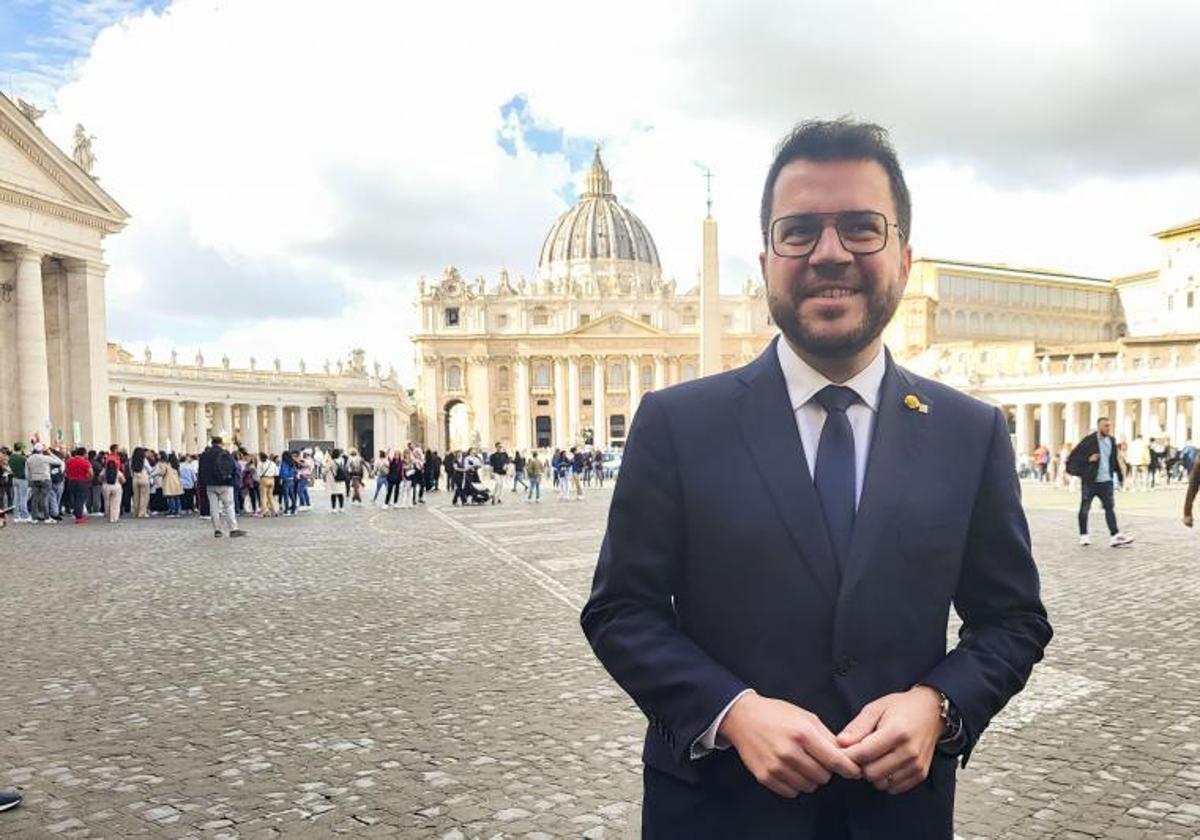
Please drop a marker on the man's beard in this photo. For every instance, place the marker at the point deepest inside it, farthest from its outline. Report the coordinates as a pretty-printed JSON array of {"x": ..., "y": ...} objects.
[{"x": 882, "y": 303}]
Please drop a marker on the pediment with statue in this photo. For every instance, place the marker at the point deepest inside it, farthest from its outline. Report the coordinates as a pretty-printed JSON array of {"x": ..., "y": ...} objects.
[{"x": 615, "y": 324}]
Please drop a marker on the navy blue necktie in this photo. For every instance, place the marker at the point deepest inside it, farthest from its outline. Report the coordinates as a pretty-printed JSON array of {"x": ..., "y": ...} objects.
[{"x": 834, "y": 473}]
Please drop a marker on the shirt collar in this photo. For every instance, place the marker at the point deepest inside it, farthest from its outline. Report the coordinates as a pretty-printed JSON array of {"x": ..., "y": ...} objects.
[{"x": 803, "y": 382}]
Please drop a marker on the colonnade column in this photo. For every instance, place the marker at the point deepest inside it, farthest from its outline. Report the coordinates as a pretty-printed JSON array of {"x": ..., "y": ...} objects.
[
  {"x": 599, "y": 419},
  {"x": 1097, "y": 413},
  {"x": 561, "y": 435},
  {"x": 1144, "y": 418},
  {"x": 1195, "y": 435},
  {"x": 277, "y": 439},
  {"x": 1024, "y": 430},
  {"x": 521, "y": 416},
  {"x": 1172, "y": 425},
  {"x": 660, "y": 373},
  {"x": 149, "y": 436},
  {"x": 303, "y": 430},
  {"x": 88, "y": 349},
  {"x": 342, "y": 436},
  {"x": 573, "y": 398},
  {"x": 122, "y": 418},
  {"x": 635, "y": 389},
  {"x": 1044, "y": 412},
  {"x": 1071, "y": 427},
  {"x": 33, "y": 372},
  {"x": 226, "y": 428},
  {"x": 250, "y": 428},
  {"x": 175, "y": 407},
  {"x": 1120, "y": 421}
]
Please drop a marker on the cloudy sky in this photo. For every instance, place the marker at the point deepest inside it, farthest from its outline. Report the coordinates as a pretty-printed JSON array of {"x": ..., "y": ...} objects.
[{"x": 292, "y": 166}]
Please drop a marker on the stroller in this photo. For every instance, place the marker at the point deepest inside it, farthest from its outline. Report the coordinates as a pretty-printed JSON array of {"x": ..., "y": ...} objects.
[{"x": 476, "y": 491}]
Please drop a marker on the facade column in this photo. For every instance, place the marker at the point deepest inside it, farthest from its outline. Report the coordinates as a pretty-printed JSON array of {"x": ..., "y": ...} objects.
[
  {"x": 1195, "y": 435},
  {"x": 149, "y": 436},
  {"x": 33, "y": 372},
  {"x": 341, "y": 433},
  {"x": 522, "y": 417},
  {"x": 122, "y": 419},
  {"x": 1044, "y": 412},
  {"x": 378, "y": 431},
  {"x": 303, "y": 428},
  {"x": 635, "y": 389},
  {"x": 276, "y": 430},
  {"x": 1024, "y": 431},
  {"x": 175, "y": 424},
  {"x": 1097, "y": 412},
  {"x": 481, "y": 400},
  {"x": 599, "y": 418},
  {"x": 1144, "y": 419},
  {"x": 1172, "y": 425},
  {"x": 561, "y": 435},
  {"x": 660, "y": 373},
  {"x": 88, "y": 350},
  {"x": 1121, "y": 421},
  {"x": 1071, "y": 429},
  {"x": 673, "y": 370},
  {"x": 573, "y": 399},
  {"x": 226, "y": 431}
]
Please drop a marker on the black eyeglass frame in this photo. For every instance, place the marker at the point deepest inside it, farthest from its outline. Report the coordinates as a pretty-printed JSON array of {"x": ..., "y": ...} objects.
[{"x": 769, "y": 235}]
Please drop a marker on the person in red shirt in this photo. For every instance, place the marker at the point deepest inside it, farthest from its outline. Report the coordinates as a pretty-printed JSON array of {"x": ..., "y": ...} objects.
[{"x": 79, "y": 482}]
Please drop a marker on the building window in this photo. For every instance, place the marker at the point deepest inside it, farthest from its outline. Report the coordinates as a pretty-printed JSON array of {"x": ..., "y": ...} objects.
[
  {"x": 451, "y": 314},
  {"x": 541, "y": 317},
  {"x": 584, "y": 319},
  {"x": 616, "y": 375},
  {"x": 502, "y": 378},
  {"x": 542, "y": 432},
  {"x": 587, "y": 402},
  {"x": 616, "y": 427},
  {"x": 501, "y": 320},
  {"x": 647, "y": 377},
  {"x": 543, "y": 403},
  {"x": 541, "y": 375},
  {"x": 454, "y": 378},
  {"x": 585, "y": 377},
  {"x": 645, "y": 316}
]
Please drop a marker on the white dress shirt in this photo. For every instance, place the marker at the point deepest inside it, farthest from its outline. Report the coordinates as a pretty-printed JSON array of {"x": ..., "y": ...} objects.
[{"x": 803, "y": 383}]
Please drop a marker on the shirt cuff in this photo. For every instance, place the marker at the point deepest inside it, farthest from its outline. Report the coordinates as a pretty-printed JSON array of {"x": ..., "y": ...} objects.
[{"x": 708, "y": 740}]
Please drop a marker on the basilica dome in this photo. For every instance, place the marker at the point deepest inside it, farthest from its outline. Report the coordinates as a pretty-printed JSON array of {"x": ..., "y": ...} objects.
[{"x": 598, "y": 236}]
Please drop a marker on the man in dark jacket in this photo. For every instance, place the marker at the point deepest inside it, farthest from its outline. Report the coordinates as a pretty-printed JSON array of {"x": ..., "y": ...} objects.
[
  {"x": 498, "y": 461},
  {"x": 1094, "y": 461},
  {"x": 218, "y": 474}
]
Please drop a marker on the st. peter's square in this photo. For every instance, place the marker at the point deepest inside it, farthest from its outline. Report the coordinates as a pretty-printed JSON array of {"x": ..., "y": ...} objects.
[{"x": 414, "y": 420}]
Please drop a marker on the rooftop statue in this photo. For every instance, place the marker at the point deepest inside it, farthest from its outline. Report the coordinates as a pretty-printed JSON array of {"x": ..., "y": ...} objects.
[
  {"x": 83, "y": 149},
  {"x": 31, "y": 111}
]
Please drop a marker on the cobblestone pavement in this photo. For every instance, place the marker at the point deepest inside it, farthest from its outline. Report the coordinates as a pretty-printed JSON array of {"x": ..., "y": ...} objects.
[{"x": 421, "y": 673}]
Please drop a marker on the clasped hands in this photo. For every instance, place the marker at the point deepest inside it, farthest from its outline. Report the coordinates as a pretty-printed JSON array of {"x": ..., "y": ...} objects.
[{"x": 790, "y": 751}]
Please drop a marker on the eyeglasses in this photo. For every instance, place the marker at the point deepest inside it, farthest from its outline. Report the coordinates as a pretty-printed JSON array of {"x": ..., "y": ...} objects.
[{"x": 860, "y": 232}]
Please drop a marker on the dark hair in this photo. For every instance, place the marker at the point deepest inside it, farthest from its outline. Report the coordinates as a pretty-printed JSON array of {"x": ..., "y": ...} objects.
[
  {"x": 216, "y": 440},
  {"x": 840, "y": 139},
  {"x": 138, "y": 460},
  {"x": 1100, "y": 420},
  {"x": 173, "y": 461}
]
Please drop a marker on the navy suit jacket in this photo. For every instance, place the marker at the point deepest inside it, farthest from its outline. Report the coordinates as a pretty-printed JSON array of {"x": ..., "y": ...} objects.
[{"x": 716, "y": 574}]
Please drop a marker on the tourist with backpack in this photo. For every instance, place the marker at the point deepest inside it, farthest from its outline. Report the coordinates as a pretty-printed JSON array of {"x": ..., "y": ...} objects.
[
  {"x": 217, "y": 469},
  {"x": 335, "y": 480}
]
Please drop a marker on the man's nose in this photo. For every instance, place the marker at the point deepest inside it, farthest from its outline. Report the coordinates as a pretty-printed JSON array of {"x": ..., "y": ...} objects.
[{"x": 829, "y": 249}]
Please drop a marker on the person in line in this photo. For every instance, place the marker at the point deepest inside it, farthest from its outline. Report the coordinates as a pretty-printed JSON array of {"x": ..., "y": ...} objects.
[
  {"x": 216, "y": 474},
  {"x": 786, "y": 637},
  {"x": 563, "y": 476},
  {"x": 380, "y": 466},
  {"x": 416, "y": 475},
  {"x": 95, "y": 493},
  {"x": 268, "y": 473},
  {"x": 450, "y": 465},
  {"x": 579, "y": 463},
  {"x": 356, "y": 468},
  {"x": 598, "y": 466},
  {"x": 304, "y": 477},
  {"x": 250, "y": 493},
  {"x": 58, "y": 483},
  {"x": 187, "y": 479},
  {"x": 38, "y": 469},
  {"x": 287, "y": 475},
  {"x": 334, "y": 470},
  {"x": 433, "y": 470},
  {"x": 518, "y": 465},
  {"x": 20, "y": 484},
  {"x": 1094, "y": 462},
  {"x": 112, "y": 481},
  {"x": 79, "y": 475},
  {"x": 172, "y": 485},
  {"x": 395, "y": 474},
  {"x": 139, "y": 470},
  {"x": 534, "y": 469}
]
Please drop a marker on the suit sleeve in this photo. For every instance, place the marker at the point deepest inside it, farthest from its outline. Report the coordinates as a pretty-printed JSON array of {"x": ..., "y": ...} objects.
[
  {"x": 1004, "y": 626},
  {"x": 630, "y": 619}
]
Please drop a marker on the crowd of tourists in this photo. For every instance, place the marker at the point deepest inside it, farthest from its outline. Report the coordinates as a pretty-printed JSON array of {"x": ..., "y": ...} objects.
[
  {"x": 477, "y": 477},
  {"x": 1146, "y": 462}
]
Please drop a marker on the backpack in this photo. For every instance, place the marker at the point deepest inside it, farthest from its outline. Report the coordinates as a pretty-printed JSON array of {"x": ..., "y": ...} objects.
[
  {"x": 339, "y": 471},
  {"x": 110, "y": 472},
  {"x": 224, "y": 467}
]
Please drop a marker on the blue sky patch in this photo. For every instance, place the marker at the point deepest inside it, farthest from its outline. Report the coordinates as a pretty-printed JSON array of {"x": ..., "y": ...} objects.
[{"x": 543, "y": 138}]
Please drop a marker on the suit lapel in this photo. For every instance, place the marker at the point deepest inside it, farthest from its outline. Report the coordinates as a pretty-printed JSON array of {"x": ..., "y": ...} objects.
[
  {"x": 895, "y": 444},
  {"x": 768, "y": 427}
]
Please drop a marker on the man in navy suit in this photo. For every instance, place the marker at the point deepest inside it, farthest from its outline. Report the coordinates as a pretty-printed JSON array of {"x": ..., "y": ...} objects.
[{"x": 786, "y": 637}]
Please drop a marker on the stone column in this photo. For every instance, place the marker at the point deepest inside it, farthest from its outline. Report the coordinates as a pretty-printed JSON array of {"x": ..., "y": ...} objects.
[
  {"x": 481, "y": 400},
  {"x": 522, "y": 416},
  {"x": 379, "y": 430},
  {"x": 33, "y": 372},
  {"x": 635, "y": 389},
  {"x": 303, "y": 428},
  {"x": 673, "y": 370},
  {"x": 1046, "y": 424},
  {"x": 1072, "y": 423},
  {"x": 599, "y": 418},
  {"x": 561, "y": 433},
  {"x": 122, "y": 418},
  {"x": 250, "y": 428},
  {"x": 88, "y": 350},
  {"x": 1144, "y": 418},
  {"x": 1120, "y": 421},
  {"x": 573, "y": 399},
  {"x": 149, "y": 424},
  {"x": 1025, "y": 445},
  {"x": 1195, "y": 435},
  {"x": 1172, "y": 425},
  {"x": 226, "y": 422},
  {"x": 1097, "y": 411},
  {"x": 660, "y": 373},
  {"x": 175, "y": 407},
  {"x": 276, "y": 431}
]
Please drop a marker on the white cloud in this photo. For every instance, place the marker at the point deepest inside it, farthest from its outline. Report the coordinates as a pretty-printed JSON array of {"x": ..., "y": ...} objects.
[{"x": 335, "y": 152}]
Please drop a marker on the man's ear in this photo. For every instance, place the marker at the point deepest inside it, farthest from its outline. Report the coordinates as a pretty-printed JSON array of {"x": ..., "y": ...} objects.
[{"x": 762, "y": 265}]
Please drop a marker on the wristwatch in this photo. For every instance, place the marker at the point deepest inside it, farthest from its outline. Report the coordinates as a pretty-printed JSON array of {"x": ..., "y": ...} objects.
[{"x": 953, "y": 732}]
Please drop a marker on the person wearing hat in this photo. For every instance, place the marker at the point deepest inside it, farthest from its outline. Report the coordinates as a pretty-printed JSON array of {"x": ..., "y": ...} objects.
[{"x": 38, "y": 473}]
